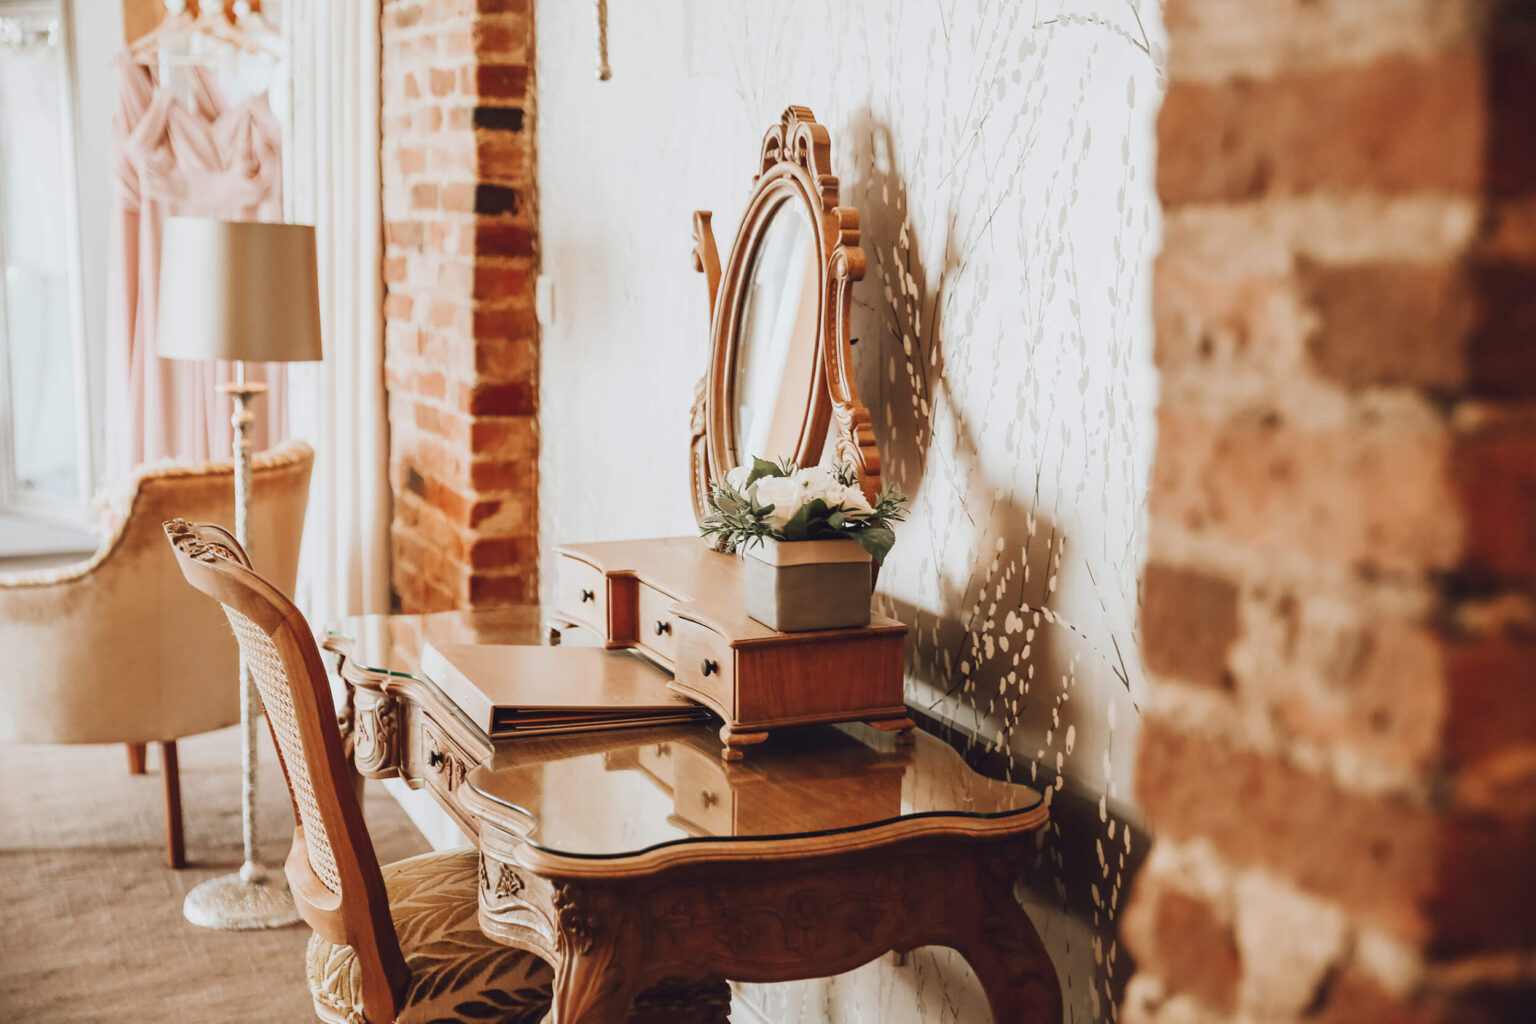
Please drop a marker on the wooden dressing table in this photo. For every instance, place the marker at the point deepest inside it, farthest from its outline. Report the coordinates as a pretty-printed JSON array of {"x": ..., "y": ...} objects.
[{"x": 637, "y": 860}]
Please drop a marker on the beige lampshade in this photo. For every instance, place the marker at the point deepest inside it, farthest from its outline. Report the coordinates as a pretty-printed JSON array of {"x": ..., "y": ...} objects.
[{"x": 238, "y": 290}]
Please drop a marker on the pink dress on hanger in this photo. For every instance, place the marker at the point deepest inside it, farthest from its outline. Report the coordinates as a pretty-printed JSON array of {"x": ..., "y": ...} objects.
[{"x": 209, "y": 159}]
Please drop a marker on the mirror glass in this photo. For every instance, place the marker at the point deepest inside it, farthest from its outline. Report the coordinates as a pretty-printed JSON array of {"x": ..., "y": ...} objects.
[{"x": 776, "y": 346}]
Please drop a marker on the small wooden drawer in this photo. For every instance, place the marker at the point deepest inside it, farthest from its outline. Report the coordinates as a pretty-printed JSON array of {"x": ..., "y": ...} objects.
[
  {"x": 582, "y": 594},
  {"x": 657, "y": 626},
  {"x": 706, "y": 666}
]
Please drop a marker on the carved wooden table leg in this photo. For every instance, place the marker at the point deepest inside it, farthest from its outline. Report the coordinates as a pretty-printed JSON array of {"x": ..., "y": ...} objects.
[
  {"x": 1001, "y": 944},
  {"x": 594, "y": 978}
]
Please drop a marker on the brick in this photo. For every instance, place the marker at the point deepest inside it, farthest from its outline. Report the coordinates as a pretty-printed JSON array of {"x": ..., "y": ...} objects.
[
  {"x": 397, "y": 306},
  {"x": 486, "y": 591},
  {"x": 514, "y": 399},
  {"x": 1187, "y": 945},
  {"x": 517, "y": 7},
  {"x": 1442, "y": 327},
  {"x": 509, "y": 438},
  {"x": 1203, "y": 321},
  {"x": 1492, "y": 711},
  {"x": 505, "y": 358},
  {"x": 498, "y": 119},
  {"x": 502, "y": 39},
  {"x": 496, "y": 237},
  {"x": 407, "y": 234},
  {"x": 1390, "y": 324},
  {"x": 493, "y": 200},
  {"x": 495, "y": 282},
  {"x": 503, "y": 159},
  {"x": 501, "y": 81},
  {"x": 1395, "y": 125},
  {"x": 1496, "y": 472},
  {"x": 459, "y": 197},
  {"x": 1188, "y": 624},
  {"x": 490, "y": 475},
  {"x": 1370, "y": 494},
  {"x": 503, "y": 553}
]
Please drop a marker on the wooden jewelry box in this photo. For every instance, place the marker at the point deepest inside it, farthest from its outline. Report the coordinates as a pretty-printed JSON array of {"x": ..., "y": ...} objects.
[{"x": 780, "y": 373}]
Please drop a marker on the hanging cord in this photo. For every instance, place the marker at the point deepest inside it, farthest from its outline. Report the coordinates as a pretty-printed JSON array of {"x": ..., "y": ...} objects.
[{"x": 604, "y": 72}]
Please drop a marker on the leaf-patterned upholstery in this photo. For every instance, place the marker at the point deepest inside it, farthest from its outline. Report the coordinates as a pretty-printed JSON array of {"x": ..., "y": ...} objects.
[{"x": 457, "y": 974}]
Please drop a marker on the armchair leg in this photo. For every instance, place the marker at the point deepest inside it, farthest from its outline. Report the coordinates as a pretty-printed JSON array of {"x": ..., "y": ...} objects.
[
  {"x": 136, "y": 755},
  {"x": 175, "y": 848}
]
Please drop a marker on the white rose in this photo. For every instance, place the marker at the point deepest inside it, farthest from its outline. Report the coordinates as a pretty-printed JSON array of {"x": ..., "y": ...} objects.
[
  {"x": 736, "y": 479},
  {"x": 818, "y": 482},
  {"x": 785, "y": 495},
  {"x": 852, "y": 500}
]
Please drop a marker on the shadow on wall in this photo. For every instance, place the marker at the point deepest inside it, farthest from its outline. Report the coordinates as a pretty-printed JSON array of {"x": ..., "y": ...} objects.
[{"x": 992, "y": 665}]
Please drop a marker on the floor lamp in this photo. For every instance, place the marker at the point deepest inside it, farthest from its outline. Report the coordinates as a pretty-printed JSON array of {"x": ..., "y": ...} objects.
[{"x": 242, "y": 292}]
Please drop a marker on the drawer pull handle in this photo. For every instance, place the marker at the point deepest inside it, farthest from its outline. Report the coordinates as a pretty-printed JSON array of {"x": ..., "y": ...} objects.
[
  {"x": 710, "y": 667},
  {"x": 663, "y": 627},
  {"x": 588, "y": 596},
  {"x": 435, "y": 759}
]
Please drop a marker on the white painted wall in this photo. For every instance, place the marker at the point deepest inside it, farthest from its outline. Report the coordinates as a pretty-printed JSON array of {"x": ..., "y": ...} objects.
[{"x": 1000, "y": 156}]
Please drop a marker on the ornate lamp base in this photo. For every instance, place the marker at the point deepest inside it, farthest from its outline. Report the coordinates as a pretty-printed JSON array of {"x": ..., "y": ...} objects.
[{"x": 244, "y": 901}]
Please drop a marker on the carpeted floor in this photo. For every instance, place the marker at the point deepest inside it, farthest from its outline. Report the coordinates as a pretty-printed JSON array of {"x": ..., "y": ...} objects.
[{"x": 92, "y": 927}]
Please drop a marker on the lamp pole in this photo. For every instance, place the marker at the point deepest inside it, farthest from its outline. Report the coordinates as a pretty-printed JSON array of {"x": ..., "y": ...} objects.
[{"x": 247, "y": 900}]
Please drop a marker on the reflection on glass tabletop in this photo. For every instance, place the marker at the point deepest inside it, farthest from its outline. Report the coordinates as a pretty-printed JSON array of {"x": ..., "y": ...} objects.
[{"x": 622, "y": 793}]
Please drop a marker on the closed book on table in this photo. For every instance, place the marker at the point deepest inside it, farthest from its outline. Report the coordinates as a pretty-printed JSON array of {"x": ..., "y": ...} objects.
[{"x": 522, "y": 689}]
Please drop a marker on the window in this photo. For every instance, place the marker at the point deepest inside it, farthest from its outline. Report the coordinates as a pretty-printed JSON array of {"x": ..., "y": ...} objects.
[{"x": 45, "y": 439}]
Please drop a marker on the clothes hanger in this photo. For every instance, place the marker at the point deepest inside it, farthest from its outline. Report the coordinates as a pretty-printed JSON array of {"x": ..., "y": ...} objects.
[
  {"x": 181, "y": 38},
  {"x": 258, "y": 30},
  {"x": 172, "y": 35}
]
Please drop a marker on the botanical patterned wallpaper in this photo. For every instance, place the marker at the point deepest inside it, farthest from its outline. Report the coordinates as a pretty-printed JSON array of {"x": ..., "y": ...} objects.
[{"x": 1000, "y": 156}]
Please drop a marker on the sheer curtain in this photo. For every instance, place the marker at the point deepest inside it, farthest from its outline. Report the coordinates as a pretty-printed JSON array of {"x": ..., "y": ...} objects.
[{"x": 332, "y": 180}]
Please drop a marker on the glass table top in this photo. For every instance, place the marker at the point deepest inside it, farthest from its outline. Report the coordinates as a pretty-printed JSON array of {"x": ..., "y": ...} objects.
[{"x": 624, "y": 792}]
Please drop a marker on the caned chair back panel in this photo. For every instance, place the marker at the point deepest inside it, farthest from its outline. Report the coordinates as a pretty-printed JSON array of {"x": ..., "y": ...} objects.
[{"x": 333, "y": 870}]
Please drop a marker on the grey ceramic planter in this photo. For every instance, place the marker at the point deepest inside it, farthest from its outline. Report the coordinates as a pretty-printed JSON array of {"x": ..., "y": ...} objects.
[{"x": 808, "y": 584}]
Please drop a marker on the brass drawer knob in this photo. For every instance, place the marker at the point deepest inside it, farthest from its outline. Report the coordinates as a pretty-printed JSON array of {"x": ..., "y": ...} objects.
[
  {"x": 588, "y": 596},
  {"x": 663, "y": 627},
  {"x": 709, "y": 667}
]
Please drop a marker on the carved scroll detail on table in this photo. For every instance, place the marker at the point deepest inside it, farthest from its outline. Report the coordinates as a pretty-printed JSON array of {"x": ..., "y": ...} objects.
[
  {"x": 376, "y": 733},
  {"x": 508, "y": 883}
]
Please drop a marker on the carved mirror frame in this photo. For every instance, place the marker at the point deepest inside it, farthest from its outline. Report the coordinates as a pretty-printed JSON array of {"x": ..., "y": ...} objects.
[{"x": 795, "y": 167}]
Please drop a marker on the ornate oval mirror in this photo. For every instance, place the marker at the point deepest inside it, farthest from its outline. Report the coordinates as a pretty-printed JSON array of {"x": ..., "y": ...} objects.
[{"x": 780, "y": 366}]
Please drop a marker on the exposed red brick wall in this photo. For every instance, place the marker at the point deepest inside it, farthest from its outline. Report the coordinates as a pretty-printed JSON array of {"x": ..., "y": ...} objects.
[
  {"x": 1338, "y": 754},
  {"x": 461, "y": 338}
]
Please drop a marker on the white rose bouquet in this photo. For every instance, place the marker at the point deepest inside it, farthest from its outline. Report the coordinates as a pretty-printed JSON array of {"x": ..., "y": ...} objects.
[{"x": 782, "y": 501}]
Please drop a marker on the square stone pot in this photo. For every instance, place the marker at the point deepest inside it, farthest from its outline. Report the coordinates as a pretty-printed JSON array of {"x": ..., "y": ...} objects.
[{"x": 808, "y": 584}]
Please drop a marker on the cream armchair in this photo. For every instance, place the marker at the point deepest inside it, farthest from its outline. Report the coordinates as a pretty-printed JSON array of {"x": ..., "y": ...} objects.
[{"x": 118, "y": 649}]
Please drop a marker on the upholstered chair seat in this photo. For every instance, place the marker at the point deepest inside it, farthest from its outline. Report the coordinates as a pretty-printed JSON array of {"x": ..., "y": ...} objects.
[{"x": 457, "y": 974}]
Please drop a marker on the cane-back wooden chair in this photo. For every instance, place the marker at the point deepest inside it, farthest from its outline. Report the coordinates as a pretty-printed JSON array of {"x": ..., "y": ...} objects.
[{"x": 401, "y": 944}]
